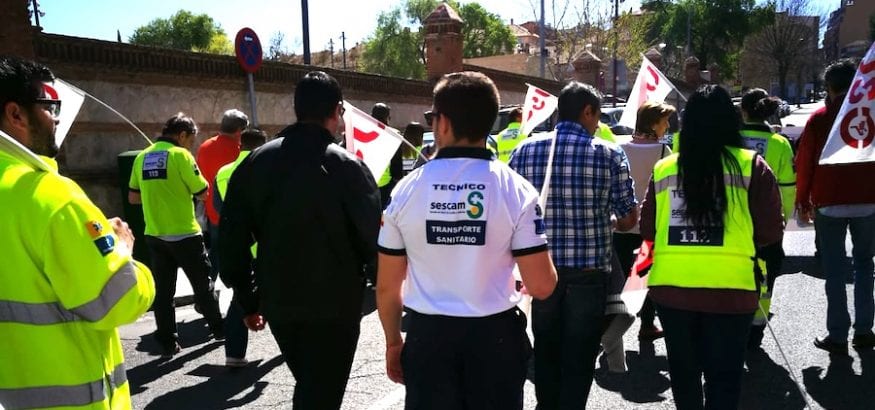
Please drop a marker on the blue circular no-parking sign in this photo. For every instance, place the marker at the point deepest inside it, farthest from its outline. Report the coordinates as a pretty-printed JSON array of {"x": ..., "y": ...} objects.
[{"x": 248, "y": 50}]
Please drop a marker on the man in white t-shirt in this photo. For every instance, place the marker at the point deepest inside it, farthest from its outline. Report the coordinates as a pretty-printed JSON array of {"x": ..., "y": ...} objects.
[{"x": 451, "y": 234}]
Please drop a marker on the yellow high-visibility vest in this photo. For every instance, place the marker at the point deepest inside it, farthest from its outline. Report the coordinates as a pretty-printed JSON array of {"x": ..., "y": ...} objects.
[
  {"x": 66, "y": 284},
  {"x": 507, "y": 140},
  {"x": 778, "y": 153},
  {"x": 712, "y": 258}
]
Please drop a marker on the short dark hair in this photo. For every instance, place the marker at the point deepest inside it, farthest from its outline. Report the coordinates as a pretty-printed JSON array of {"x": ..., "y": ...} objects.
[
  {"x": 233, "y": 120},
  {"x": 576, "y": 96},
  {"x": 470, "y": 100},
  {"x": 839, "y": 75},
  {"x": 381, "y": 112},
  {"x": 177, "y": 124},
  {"x": 515, "y": 115},
  {"x": 21, "y": 80},
  {"x": 252, "y": 138},
  {"x": 316, "y": 97}
]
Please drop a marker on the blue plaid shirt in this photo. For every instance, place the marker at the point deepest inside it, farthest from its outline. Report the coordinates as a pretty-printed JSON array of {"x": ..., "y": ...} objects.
[{"x": 590, "y": 182}]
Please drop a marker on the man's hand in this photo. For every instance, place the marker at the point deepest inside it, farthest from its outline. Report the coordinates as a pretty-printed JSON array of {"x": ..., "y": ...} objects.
[
  {"x": 254, "y": 322},
  {"x": 123, "y": 232},
  {"x": 393, "y": 363},
  {"x": 805, "y": 213}
]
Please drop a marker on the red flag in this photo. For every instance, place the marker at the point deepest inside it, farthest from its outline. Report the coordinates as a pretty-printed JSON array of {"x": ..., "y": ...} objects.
[
  {"x": 370, "y": 140},
  {"x": 635, "y": 290}
]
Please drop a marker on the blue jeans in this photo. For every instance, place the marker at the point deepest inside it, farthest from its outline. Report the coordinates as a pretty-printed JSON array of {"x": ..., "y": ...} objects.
[
  {"x": 236, "y": 333},
  {"x": 568, "y": 329},
  {"x": 831, "y": 234},
  {"x": 705, "y": 344}
]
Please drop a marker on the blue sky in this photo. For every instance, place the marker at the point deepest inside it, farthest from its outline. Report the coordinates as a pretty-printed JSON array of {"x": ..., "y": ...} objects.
[{"x": 100, "y": 19}]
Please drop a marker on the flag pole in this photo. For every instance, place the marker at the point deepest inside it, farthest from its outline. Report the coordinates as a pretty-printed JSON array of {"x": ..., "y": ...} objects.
[
  {"x": 83, "y": 92},
  {"x": 120, "y": 115}
]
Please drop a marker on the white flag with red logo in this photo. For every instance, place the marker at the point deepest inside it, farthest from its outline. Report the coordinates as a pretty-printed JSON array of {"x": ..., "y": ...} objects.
[
  {"x": 71, "y": 101},
  {"x": 852, "y": 138},
  {"x": 650, "y": 85},
  {"x": 370, "y": 140},
  {"x": 538, "y": 107}
]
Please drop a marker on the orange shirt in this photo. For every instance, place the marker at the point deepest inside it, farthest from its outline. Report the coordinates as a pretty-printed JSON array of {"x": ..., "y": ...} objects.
[{"x": 213, "y": 154}]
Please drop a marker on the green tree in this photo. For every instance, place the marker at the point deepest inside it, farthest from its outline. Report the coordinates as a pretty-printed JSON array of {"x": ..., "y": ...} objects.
[
  {"x": 394, "y": 49},
  {"x": 717, "y": 28},
  {"x": 483, "y": 33},
  {"x": 184, "y": 31},
  {"x": 397, "y": 46}
]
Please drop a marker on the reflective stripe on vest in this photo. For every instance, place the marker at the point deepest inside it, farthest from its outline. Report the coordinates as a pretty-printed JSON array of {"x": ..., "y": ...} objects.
[
  {"x": 52, "y": 312},
  {"x": 688, "y": 257},
  {"x": 56, "y": 396},
  {"x": 224, "y": 173}
]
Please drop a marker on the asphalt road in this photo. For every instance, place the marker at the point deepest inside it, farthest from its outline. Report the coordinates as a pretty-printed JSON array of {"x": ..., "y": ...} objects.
[{"x": 196, "y": 379}]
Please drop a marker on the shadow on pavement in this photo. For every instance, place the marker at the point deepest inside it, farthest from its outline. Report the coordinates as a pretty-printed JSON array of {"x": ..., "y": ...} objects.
[
  {"x": 644, "y": 382},
  {"x": 148, "y": 372},
  {"x": 807, "y": 265},
  {"x": 839, "y": 387},
  {"x": 369, "y": 301},
  {"x": 219, "y": 388},
  {"x": 191, "y": 333},
  {"x": 768, "y": 385}
]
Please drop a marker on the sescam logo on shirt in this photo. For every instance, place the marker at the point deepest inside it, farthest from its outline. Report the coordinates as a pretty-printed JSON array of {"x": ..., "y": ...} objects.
[{"x": 456, "y": 214}]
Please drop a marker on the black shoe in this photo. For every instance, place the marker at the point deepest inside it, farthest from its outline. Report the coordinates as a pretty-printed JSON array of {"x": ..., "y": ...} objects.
[
  {"x": 864, "y": 341},
  {"x": 218, "y": 333},
  {"x": 167, "y": 351},
  {"x": 825, "y": 343}
]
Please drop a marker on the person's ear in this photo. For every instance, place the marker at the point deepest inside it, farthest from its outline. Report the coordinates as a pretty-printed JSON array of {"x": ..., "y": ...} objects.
[{"x": 14, "y": 119}]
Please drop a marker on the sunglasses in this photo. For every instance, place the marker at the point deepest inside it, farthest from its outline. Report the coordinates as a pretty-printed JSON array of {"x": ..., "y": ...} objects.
[
  {"x": 430, "y": 116},
  {"x": 52, "y": 106}
]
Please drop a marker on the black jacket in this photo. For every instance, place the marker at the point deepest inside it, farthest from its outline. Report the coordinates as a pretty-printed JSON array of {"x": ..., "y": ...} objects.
[{"x": 315, "y": 211}]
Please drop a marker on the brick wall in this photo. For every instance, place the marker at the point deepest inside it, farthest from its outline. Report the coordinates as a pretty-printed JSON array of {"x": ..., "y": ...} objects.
[{"x": 148, "y": 85}]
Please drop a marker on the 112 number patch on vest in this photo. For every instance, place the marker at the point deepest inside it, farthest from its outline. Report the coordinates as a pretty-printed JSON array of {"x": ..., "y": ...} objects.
[
  {"x": 681, "y": 234},
  {"x": 456, "y": 214},
  {"x": 155, "y": 165}
]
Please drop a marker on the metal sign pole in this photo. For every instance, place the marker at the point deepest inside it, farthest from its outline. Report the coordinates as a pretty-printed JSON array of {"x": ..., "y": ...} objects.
[{"x": 252, "y": 99}]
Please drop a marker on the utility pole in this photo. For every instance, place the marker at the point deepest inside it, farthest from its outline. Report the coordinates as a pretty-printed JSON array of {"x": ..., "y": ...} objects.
[
  {"x": 36, "y": 12},
  {"x": 306, "y": 28},
  {"x": 616, "y": 40},
  {"x": 343, "y": 44},
  {"x": 543, "y": 44},
  {"x": 331, "y": 50}
]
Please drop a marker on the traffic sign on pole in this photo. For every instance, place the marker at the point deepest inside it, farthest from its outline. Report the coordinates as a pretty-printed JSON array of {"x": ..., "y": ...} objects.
[{"x": 248, "y": 50}]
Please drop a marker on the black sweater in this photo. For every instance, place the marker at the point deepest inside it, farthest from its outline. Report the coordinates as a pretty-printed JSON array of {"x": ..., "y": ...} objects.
[{"x": 315, "y": 211}]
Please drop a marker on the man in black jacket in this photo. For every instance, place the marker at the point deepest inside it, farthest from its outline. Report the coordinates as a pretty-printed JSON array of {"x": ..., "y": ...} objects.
[{"x": 314, "y": 210}]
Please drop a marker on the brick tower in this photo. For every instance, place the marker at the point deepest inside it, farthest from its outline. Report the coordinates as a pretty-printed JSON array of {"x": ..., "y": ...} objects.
[{"x": 443, "y": 42}]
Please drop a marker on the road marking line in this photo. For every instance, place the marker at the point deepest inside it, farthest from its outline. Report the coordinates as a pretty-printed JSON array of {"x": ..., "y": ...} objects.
[{"x": 389, "y": 400}]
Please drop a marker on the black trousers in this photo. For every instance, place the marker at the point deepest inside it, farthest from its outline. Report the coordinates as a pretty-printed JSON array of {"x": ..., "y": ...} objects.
[
  {"x": 705, "y": 344},
  {"x": 191, "y": 256},
  {"x": 319, "y": 354},
  {"x": 465, "y": 363}
]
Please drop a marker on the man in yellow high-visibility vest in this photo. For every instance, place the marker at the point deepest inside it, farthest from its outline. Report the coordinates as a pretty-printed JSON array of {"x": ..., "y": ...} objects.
[
  {"x": 68, "y": 280},
  {"x": 237, "y": 335}
]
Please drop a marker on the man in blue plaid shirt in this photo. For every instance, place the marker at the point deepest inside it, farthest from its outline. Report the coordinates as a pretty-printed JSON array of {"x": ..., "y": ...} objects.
[{"x": 590, "y": 194}]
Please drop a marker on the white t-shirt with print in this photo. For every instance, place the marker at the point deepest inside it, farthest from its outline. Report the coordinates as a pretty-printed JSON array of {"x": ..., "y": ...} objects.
[{"x": 461, "y": 219}]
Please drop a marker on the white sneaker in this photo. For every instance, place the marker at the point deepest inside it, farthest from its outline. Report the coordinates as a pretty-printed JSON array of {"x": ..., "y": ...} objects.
[{"x": 236, "y": 362}]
